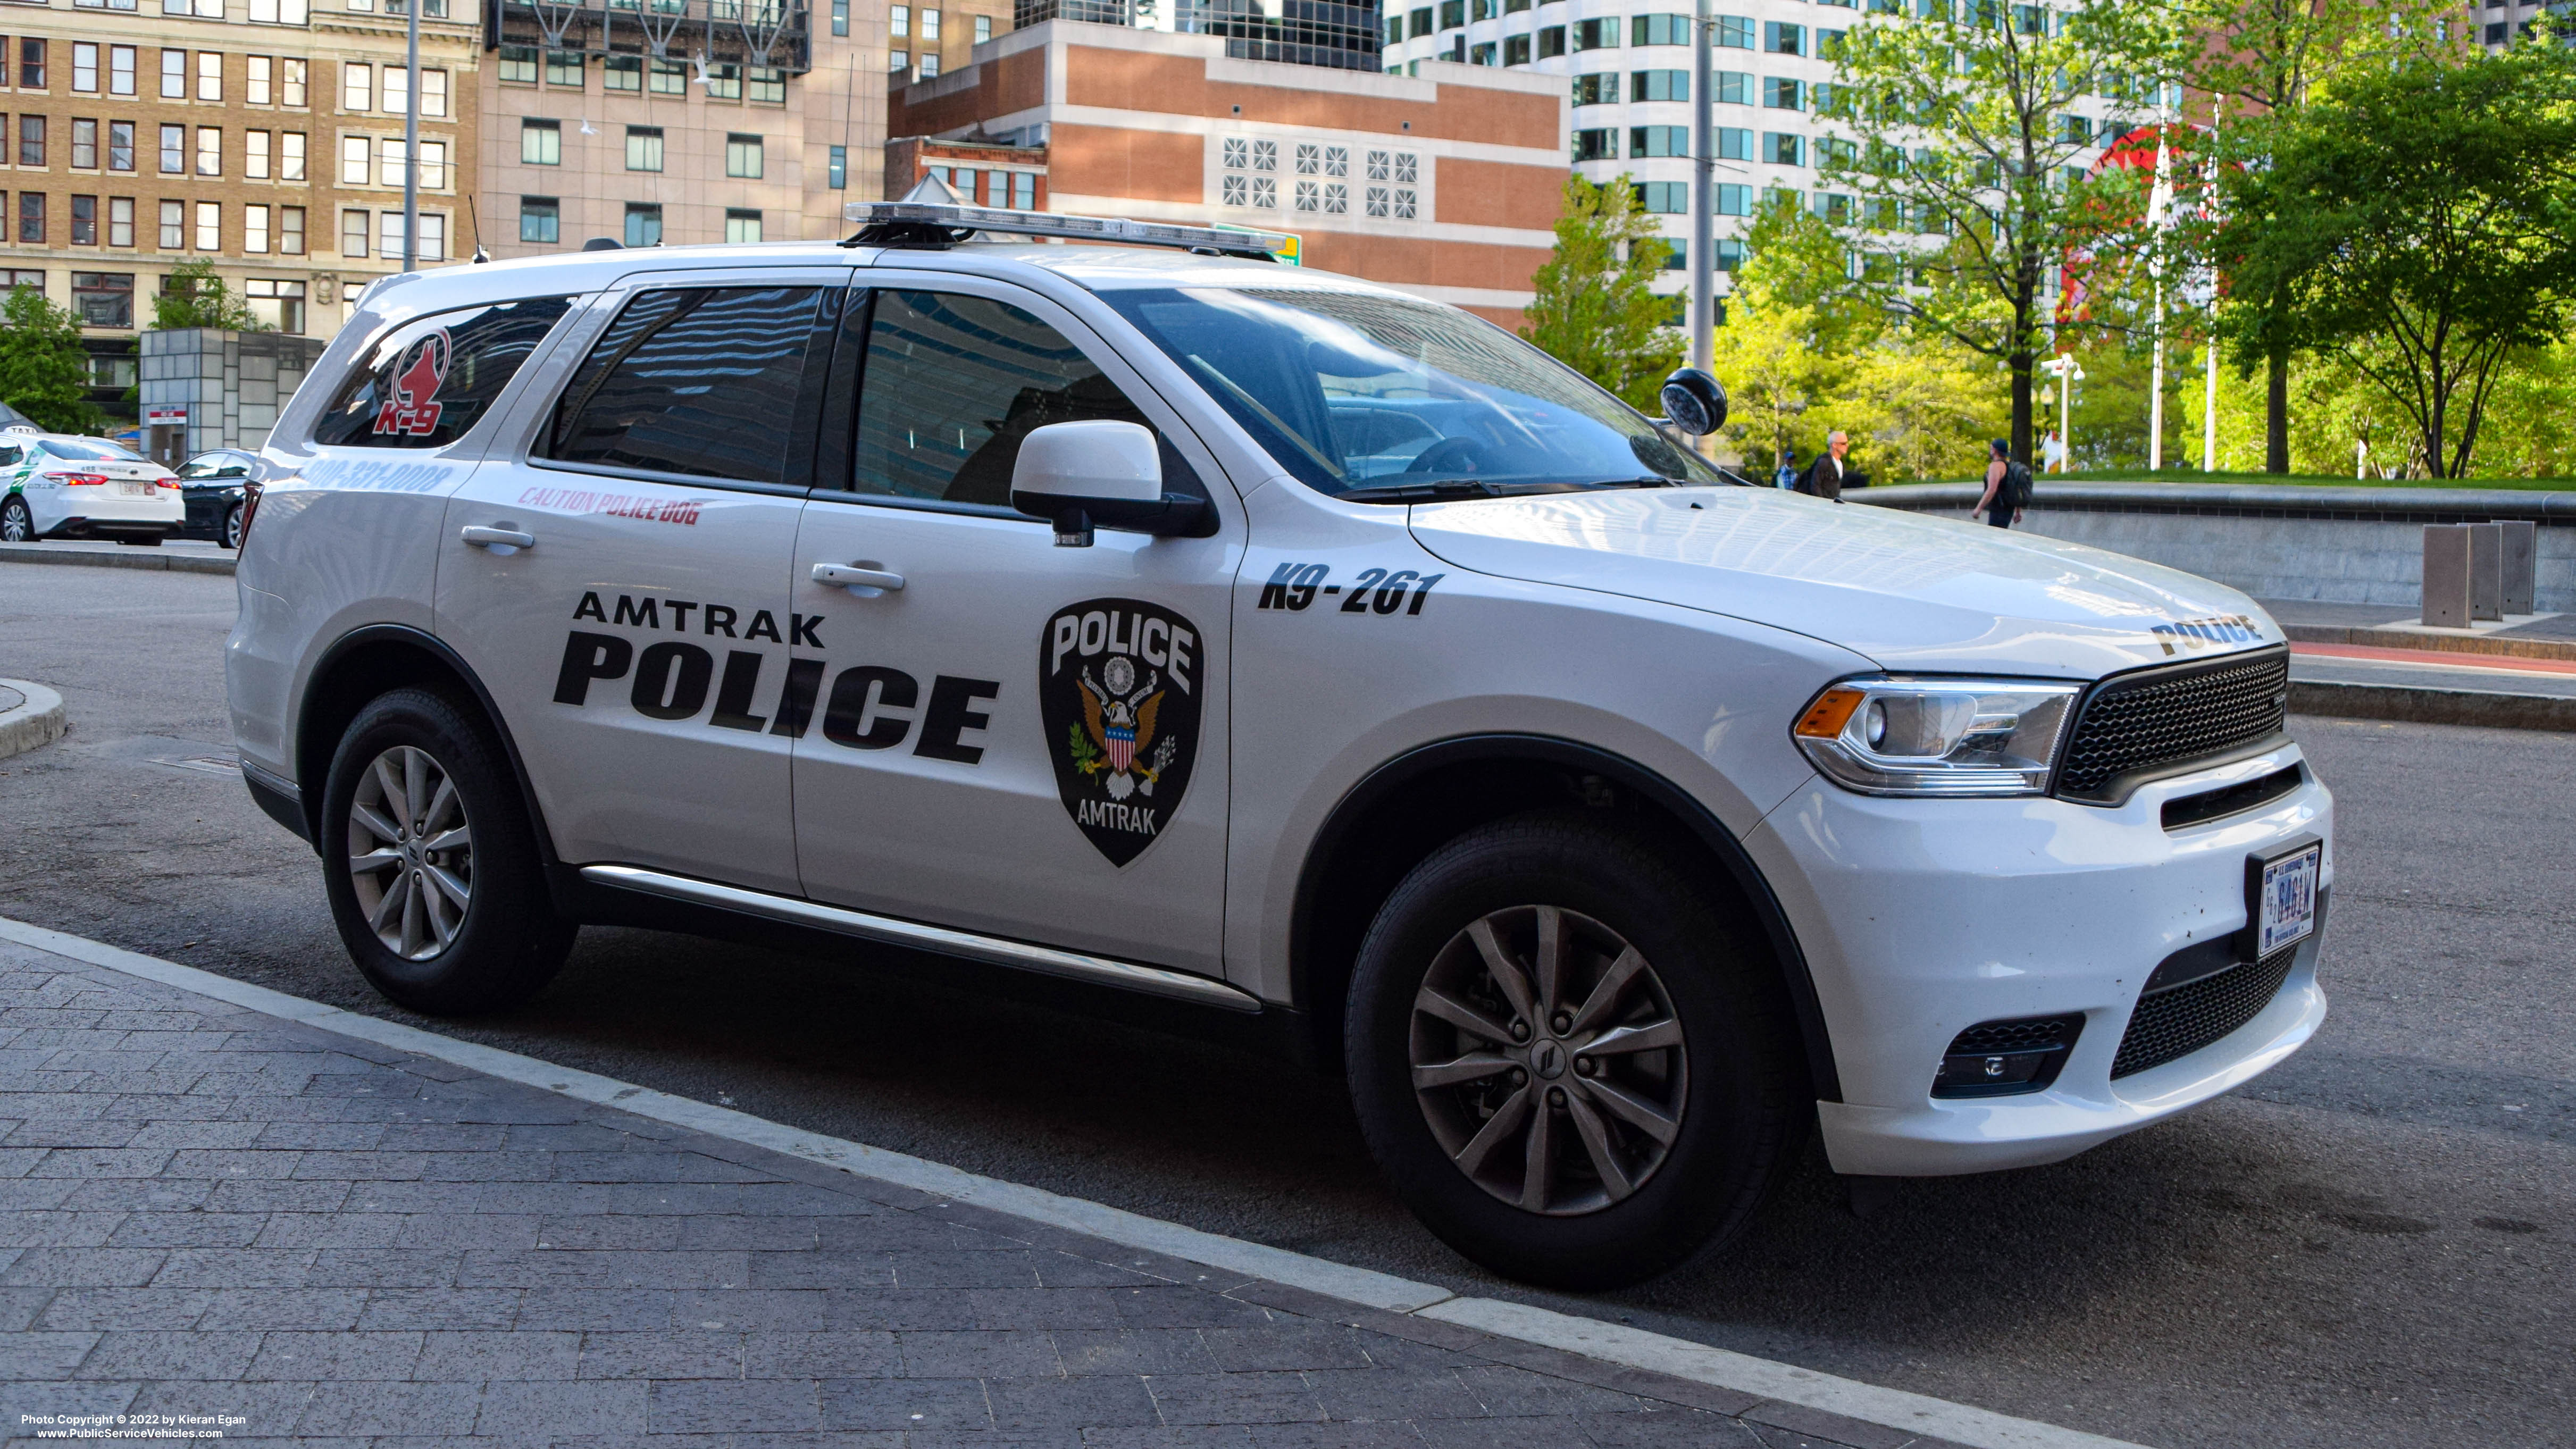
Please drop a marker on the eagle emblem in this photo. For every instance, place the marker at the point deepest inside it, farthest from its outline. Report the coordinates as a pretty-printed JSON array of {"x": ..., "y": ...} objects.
[{"x": 1118, "y": 698}]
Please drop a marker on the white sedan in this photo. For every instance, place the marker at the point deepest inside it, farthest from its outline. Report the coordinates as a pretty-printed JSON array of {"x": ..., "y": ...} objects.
[{"x": 56, "y": 485}]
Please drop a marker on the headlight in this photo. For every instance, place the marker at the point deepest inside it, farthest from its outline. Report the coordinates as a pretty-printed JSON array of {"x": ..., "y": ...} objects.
[{"x": 1938, "y": 736}]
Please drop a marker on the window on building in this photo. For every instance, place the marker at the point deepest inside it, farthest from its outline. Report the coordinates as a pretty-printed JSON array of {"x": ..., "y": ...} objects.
[
  {"x": 390, "y": 161},
  {"x": 1780, "y": 39},
  {"x": 836, "y": 169},
  {"x": 643, "y": 224},
  {"x": 768, "y": 86},
  {"x": 433, "y": 93},
  {"x": 518, "y": 65},
  {"x": 1664, "y": 198},
  {"x": 1453, "y": 14},
  {"x": 259, "y": 80},
  {"x": 1733, "y": 199},
  {"x": 433, "y": 165},
  {"x": 174, "y": 226},
  {"x": 669, "y": 78},
  {"x": 290, "y": 230},
  {"x": 1734, "y": 143},
  {"x": 1024, "y": 190},
  {"x": 840, "y": 17},
  {"x": 31, "y": 63},
  {"x": 210, "y": 151},
  {"x": 1551, "y": 42},
  {"x": 120, "y": 221},
  {"x": 280, "y": 304},
  {"x": 1658, "y": 141},
  {"x": 210, "y": 227},
  {"x": 1784, "y": 149},
  {"x": 280, "y": 12},
  {"x": 899, "y": 21},
  {"x": 120, "y": 70},
  {"x": 31, "y": 140},
  {"x": 1422, "y": 25},
  {"x": 1596, "y": 34},
  {"x": 1395, "y": 29},
  {"x": 120, "y": 145},
  {"x": 1781, "y": 93},
  {"x": 174, "y": 150},
  {"x": 929, "y": 24},
  {"x": 1601, "y": 88},
  {"x": 1516, "y": 50},
  {"x": 354, "y": 227},
  {"x": 566, "y": 68},
  {"x": 357, "y": 86},
  {"x": 103, "y": 299},
  {"x": 540, "y": 219},
  {"x": 742, "y": 225},
  {"x": 354, "y": 162},
  {"x": 255, "y": 228},
  {"x": 210, "y": 75},
  {"x": 485, "y": 346},
  {"x": 1659, "y": 30},
  {"x": 983, "y": 28},
  {"x": 290, "y": 81},
  {"x": 1596, "y": 145},
  {"x": 1730, "y": 253},
  {"x": 929, "y": 64},
  {"x": 84, "y": 145},
  {"x": 743, "y": 156},
  {"x": 255, "y": 155},
  {"x": 643, "y": 148},
  {"x": 622, "y": 73},
  {"x": 1659, "y": 85},
  {"x": 1734, "y": 87},
  {"x": 724, "y": 82},
  {"x": 1835, "y": 210},
  {"x": 84, "y": 221},
  {"x": 1483, "y": 53},
  {"x": 85, "y": 67},
  {"x": 658, "y": 388},
  {"x": 540, "y": 143}
]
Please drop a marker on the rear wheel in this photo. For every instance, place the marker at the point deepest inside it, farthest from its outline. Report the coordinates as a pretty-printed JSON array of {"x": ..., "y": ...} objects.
[
  {"x": 16, "y": 524},
  {"x": 430, "y": 863},
  {"x": 1574, "y": 1067}
]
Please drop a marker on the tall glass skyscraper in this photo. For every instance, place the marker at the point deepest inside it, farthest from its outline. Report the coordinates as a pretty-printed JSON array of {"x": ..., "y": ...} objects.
[{"x": 1300, "y": 32}]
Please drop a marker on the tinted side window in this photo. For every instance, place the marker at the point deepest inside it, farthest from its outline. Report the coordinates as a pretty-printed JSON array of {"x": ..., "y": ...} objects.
[
  {"x": 428, "y": 382},
  {"x": 701, "y": 381},
  {"x": 953, "y": 383}
]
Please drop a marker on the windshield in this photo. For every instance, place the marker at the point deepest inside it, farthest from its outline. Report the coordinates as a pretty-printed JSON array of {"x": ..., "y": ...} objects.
[
  {"x": 89, "y": 450},
  {"x": 1365, "y": 395}
]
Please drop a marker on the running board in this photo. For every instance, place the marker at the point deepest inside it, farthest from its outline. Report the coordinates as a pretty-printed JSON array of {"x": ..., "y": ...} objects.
[{"x": 1045, "y": 960}]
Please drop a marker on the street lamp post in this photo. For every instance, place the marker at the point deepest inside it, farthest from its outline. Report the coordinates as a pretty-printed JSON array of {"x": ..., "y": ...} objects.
[
  {"x": 1703, "y": 242},
  {"x": 411, "y": 137}
]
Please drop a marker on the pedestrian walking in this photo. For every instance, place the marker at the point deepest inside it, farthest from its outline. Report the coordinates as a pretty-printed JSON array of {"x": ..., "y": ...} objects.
[
  {"x": 1824, "y": 477},
  {"x": 1786, "y": 475},
  {"x": 2007, "y": 486}
]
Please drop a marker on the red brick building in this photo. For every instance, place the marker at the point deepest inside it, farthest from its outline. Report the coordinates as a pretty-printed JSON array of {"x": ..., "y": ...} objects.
[{"x": 1445, "y": 184}]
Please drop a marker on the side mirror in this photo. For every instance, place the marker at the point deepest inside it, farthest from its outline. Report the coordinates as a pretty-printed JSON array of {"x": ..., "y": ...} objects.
[
  {"x": 1103, "y": 473},
  {"x": 1695, "y": 402}
]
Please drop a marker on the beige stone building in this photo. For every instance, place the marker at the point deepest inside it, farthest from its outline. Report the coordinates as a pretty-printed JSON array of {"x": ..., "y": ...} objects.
[{"x": 264, "y": 136}]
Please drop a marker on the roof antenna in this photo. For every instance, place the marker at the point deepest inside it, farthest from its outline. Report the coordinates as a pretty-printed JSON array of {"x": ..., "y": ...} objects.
[{"x": 476, "y": 221}]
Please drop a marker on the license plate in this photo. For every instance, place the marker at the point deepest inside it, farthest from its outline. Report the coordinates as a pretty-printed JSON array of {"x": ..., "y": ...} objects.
[
  {"x": 2285, "y": 898},
  {"x": 135, "y": 490}
]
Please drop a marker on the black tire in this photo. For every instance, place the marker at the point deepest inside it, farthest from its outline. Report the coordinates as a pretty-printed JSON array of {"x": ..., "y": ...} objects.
[
  {"x": 228, "y": 532},
  {"x": 17, "y": 525},
  {"x": 1736, "y": 1080},
  {"x": 508, "y": 943}
]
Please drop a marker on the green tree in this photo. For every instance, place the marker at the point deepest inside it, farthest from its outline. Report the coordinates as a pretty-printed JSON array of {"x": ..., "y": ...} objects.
[
  {"x": 1965, "y": 131},
  {"x": 2419, "y": 223},
  {"x": 43, "y": 371},
  {"x": 1595, "y": 310},
  {"x": 1794, "y": 256},
  {"x": 2256, "y": 64},
  {"x": 194, "y": 296}
]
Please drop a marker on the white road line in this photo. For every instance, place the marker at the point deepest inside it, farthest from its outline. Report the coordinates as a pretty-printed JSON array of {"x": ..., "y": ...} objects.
[{"x": 1610, "y": 1343}]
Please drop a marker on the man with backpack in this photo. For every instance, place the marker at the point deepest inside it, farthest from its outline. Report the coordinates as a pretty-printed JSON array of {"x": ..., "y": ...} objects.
[{"x": 2007, "y": 486}]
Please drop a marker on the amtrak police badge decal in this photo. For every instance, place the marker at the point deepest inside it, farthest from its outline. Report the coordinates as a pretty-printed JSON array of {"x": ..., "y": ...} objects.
[{"x": 1118, "y": 683}]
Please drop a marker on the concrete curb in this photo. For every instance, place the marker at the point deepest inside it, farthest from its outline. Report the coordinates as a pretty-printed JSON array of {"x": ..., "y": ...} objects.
[
  {"x": 39, "y": 721},
  {"x": 2491, "y": 708},
  {"x": 116, "y": 558},
  {"x": 2506, "y": 646},
  {"x": 1761, "y": 1380}
]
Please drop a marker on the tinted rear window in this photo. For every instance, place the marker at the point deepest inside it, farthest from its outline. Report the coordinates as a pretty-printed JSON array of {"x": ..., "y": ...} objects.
[
  {"x": 86, "y": 451},
  {"x": 703, "y": 382},
  {"x": 428, "y": 382}
]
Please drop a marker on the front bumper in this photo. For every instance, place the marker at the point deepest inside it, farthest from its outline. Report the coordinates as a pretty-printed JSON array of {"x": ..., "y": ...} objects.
[{"x": 1920, "y": 918}]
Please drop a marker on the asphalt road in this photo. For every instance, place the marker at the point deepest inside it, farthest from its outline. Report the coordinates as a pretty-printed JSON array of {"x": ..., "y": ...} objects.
[{"x": 2369, "y": 1246}]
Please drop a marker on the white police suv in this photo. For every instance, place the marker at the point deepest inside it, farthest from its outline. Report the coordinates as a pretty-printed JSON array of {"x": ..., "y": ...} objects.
[
  {"x": 1199, "y": 627},
  {"x": 62, "y": 485}
]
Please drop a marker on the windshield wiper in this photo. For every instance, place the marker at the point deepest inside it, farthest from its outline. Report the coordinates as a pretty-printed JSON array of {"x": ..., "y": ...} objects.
[{"x": 1441, "y": 488}]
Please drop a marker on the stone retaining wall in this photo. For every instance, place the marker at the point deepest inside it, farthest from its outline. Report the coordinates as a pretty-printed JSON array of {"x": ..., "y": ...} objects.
[{"x": 2340, "y": 545}]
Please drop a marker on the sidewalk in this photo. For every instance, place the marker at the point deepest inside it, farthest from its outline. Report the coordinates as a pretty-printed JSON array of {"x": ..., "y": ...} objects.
[{"x": 213, "y": 1212}]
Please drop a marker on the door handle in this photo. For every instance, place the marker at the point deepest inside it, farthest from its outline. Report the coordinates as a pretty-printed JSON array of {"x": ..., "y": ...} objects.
[
  {"x": 864, "y": 582},
  {"x": 505, "y": 540}
]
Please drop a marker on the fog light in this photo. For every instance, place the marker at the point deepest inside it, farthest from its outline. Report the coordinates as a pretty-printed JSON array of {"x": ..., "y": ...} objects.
[{"x": 2003, "y": 1058}]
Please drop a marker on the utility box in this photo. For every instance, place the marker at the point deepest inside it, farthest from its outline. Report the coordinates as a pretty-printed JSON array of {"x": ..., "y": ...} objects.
[
  {"x": 205, "y": 389},
  {"x": 2521, "y": 566},
  {"x": 2446, "y": 575},
  {"x": 2486, "y": 571}
]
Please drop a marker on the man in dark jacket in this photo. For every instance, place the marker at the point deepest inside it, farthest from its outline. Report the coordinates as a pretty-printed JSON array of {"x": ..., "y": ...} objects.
[{"x": 1824, "y": 477}]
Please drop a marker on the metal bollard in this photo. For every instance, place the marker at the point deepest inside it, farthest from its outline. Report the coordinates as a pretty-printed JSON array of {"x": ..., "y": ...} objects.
[
  {"x": 2486, "y": 571},
  {"x": 2446, "y": 575},
  {"x": 2521, "y": 567}
]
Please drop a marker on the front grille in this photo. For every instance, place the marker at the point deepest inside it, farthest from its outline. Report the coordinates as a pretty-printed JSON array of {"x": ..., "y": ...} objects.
[
  {"x": 2177, "y": 1022},
  {"x": 2134, "y": 723}
]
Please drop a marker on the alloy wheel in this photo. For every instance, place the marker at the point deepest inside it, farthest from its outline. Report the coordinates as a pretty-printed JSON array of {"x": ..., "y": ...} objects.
[
  {"x": 411, "y": 853},
  {"x": 232, "y": 529},
  {"x": 1548, "y": 1060},
  {"x": 15, "y": 527}
]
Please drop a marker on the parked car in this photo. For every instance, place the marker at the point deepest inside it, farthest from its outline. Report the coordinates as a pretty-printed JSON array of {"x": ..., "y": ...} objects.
[
  {"x": 58, "y": 485},
  {"x": 212, "y": 485},
  {"x": 1611, "y": 827}
]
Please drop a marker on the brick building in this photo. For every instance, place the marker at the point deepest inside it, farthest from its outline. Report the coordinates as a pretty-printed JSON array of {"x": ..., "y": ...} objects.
[
  {"x": 261, "y": 135},
  {"x": 1445, "y": 184}
]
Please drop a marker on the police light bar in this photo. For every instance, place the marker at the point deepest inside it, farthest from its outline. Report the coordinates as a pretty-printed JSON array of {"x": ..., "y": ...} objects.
[{"x": 895, "y": 223}]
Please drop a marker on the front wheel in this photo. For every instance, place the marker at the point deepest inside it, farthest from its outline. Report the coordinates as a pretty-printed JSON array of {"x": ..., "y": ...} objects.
[
  {"x": 430, "y": 864},
  {"x": 230, "y": 534},
  {"x": 16, "y": 524},
  {"x": 1573, "y": 1065}
]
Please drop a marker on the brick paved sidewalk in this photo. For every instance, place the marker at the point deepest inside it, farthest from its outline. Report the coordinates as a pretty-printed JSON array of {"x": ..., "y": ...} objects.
[{"x": 207, "y": 1211}]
